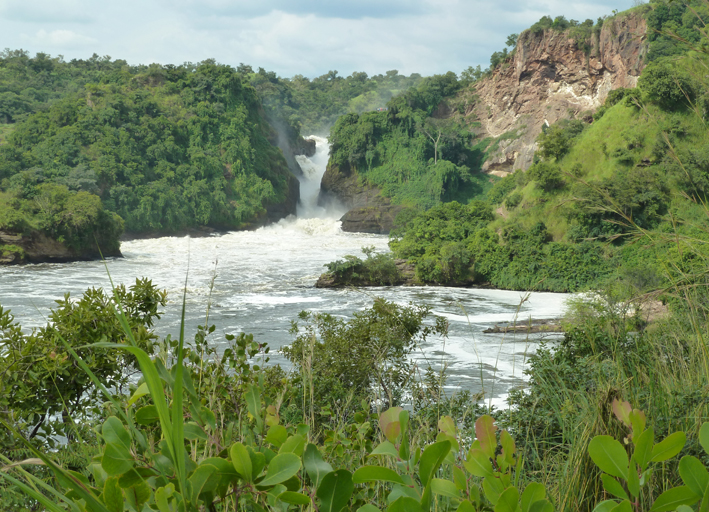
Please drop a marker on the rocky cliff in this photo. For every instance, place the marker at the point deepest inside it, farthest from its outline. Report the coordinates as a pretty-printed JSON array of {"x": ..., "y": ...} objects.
[
  {"x": 550, "y": 77},
  {"x": 36, "y": 247}
]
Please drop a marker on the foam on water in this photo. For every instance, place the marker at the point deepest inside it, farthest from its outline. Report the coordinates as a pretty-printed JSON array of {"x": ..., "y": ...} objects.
[{"x": 264, "y": 278}]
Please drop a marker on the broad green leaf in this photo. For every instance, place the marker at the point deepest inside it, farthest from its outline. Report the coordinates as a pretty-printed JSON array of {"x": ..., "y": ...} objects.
[
  {"x": 668, "y": 447},
  {"x": 485, "y": 432},
  {"x": 389, "y": 423},
  {"x": 643, "y": 447},
  {"x": 113, "y": 495},
  {"x": 258, "y": 461},
  {"x": 192, "y": 432},
  {"x": 113, "y": 432},
  {"x": 508, "y": 446},
  {"x": 444, "y": 488},
  {"x": 492, "y": 489},
  {"x": 694, "y": 474},
  {"x": 294, "y": 444},
  {"x": 637, "y": 421},
  {"x": 147, "y": 415},
  {"x": 277, "y": 435},
  {"x": 704, "y": 436},
  {"x": 431, "y": 459},
  {"x": 404, "y": 504},
  {"x": 200, "y": 480},
  {"x": 609, "y": 455},
  {"x": 684, "y": 508},
  {"x": 533, "y": 492},
  {"x": 376, "y": 474},
  {"x": 294, "y": 498},
  {"x": 399, "y": 490},
  {"x": 139, "y": 393},
  {"x": 465, "y": 506},
  {"x": 447, "y": 425},
  {"x": 461, "y": 482},
  {"x": 633, "y": 479},
  {"x": 368, "y": 508},
  {"x": 478, "y": 463},
  {"x": 282, "y": 467},
  {"x": 673, "y": 498},
  {"x": 385, "y": 448},
  {"x": 314, "y": 464},
  {"x": 623, "y": 506},
  {"x": 335, "y": 491},
  {"x": 116, "y": 459},
  {"x": 241, "y": 461},
  {"x": 508, "y": 501},
  {"x": 606, "y": 506},
  {"x": 541, "y": 506},
  {"x": 253, "y": 403},
  {"x": 137, "y": 495},
  {"x": 613, "y": 487}
]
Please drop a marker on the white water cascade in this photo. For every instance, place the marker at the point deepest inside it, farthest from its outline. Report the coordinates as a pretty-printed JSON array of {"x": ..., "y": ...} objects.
[{"x": 264, "y": 278}]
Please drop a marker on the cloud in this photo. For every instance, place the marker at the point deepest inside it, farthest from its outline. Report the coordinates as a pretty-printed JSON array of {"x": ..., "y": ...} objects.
[
  {"x": 308, "y": 37},
  {"x": 47, "y": 11},
  {"x": 62, "y": 39}
]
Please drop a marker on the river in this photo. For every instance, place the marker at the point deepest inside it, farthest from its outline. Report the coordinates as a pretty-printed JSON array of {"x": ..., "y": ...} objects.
[{"x": 264, "y": 278}]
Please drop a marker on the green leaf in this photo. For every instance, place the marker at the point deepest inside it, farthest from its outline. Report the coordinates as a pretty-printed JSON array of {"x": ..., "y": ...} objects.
[
  {"x": 314, "y": 464},
  {"x": 34, "y": 494},
  {"x": 277, "y": 435},
  {"x": 508, "y": 501},
  {"x": 613, "y": 487},
  {"x": 485, "y": 432},
  {"x": 493, "y": 489},
  {"x": 385, "y": 448},
  {"x": 282, "y": 467},
  {"x": 461, "y": 482},
  {"x": 623, "y": 506},
  {"x": 684, "y": 508},
  {"x": 431, "y": 459},
  {"x": 116, "y": 460},
  {"x": 294, "y": 444},
  {"x": 389, "y": 423},
  {"x": 465, "y": 506},
  {"x": 335, "y": 491},
  {"x": 704, "y": 436},
  {"x": 192, "y": 432},
  {"x": 253, "y": 403},
  {"x": 541, "y": 506},
  {"x": 643, "y": 447},
  {"x": 113, "y": 495},
  {"x": 376, "y": 474},
  {"x": 533, "y": 492},
  {"x": 201, "y": 480},
  {"x": 694, "y": 474},
  {"x": 478, "y": 463},
  {"x": 137, "y": 495},
  {"x": 241, "y": 461},
  {"x": 606, "y": 506},
  {"x": 444, "y": 488},
  {"x": 404, "y": 504},
  {"x": 294, "y": 498},
  {"x": 508, "y": 446},
  {"x": 368, "y": 508},
  {"x": 633, "y": 479},
  {"x": 673, "y": 498},
  {"x": 668, "y": 447},
  {"x": 609, "y": 455},
  {"x": 138, "y": 394}
]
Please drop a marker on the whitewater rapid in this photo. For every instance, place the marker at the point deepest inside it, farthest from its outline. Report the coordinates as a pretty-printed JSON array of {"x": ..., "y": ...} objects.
[{"x": 263, "y": 278}]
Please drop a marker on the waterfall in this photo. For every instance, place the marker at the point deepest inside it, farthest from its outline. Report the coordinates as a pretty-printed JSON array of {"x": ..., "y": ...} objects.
[{"x": 313, "y": 169}]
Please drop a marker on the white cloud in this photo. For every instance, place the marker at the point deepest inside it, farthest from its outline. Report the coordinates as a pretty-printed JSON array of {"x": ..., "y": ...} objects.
[
  {"x": 308, "y": 37},
  {"x": 62, "y": 39}
]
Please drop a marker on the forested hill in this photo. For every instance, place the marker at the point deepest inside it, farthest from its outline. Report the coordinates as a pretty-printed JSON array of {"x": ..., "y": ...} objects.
[
  {"x": 600, "y": 180},
  {"x": 164, "y": 147}
]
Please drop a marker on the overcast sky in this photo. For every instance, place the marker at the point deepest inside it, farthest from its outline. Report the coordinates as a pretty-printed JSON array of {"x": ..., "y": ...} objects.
[{"x": 307, "y": 37}]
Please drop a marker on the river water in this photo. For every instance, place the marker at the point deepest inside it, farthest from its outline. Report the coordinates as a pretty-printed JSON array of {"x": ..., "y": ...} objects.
[{"x": 264, "y": 278}]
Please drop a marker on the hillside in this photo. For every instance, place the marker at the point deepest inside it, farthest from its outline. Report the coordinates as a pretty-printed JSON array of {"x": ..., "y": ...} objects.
[{"x": 613, "y": 163}]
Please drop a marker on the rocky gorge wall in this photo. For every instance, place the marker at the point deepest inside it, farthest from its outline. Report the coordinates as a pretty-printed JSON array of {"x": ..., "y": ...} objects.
[{"x": 551, "y": 78}]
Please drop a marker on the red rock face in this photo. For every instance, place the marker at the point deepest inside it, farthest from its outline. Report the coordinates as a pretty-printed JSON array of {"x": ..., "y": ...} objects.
[{"x": 551, "y": 78}]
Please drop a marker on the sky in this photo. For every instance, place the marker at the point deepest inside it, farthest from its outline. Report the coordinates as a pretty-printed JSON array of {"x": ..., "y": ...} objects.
[{"x": 290, "y": 37}]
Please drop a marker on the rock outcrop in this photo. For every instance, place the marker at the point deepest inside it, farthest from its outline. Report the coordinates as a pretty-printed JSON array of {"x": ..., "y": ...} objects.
[
  {"x": 377, "y": 220},
  {"x": 551, "y": 78},
  {"x": 36, "y": 247}
]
